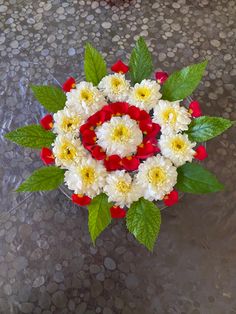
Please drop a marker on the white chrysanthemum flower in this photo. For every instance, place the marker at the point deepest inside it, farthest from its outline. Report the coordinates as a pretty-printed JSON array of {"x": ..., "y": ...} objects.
[
  {"x": 145, "y": 95},
  {"x": 121, "y": 189},
  {"x": 67, "y": 121},
  {"x": 157, "y": 176},
  {"x": 85, "y": 99},
  {"x": 67, "y": 150},
  {"x": 177, "y": 148},
  {"x": 115, "y": 87},
  {"x": 88, "y": 177},
  {"x": 171, "y": 116},
  {"x": 120, "y": 136}
]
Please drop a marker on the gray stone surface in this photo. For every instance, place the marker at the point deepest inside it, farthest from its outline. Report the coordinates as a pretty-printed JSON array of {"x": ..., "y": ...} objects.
[{"x": 47, "y": 261}]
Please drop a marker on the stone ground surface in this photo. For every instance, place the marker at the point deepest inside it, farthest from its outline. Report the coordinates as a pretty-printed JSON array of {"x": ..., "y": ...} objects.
[{"x": 47, "y": 262}]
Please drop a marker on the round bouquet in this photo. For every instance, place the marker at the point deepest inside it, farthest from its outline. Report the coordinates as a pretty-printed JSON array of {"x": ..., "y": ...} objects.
[{"x": 122, "y": 142}]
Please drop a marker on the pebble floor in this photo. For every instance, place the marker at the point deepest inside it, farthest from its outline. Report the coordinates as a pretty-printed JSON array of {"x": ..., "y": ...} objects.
[{"x": 47, "y": 262}]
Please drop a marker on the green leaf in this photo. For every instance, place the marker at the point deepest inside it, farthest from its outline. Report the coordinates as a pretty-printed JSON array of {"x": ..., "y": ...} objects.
[
  {"x": 143, "y": 219},
  {"x": 51, "y": 97},
  {"x": 181, "y": 84},
  {"x": 99, "y": 215},
  {"x": 204, "y": 128},
  {"x": 140, "y": 64},
  {"x": 33, "y": 136},
  {"x": 193, "y": 178},
  {"x": 43, "y": 179},
  {"x": 94, "y": 65}
]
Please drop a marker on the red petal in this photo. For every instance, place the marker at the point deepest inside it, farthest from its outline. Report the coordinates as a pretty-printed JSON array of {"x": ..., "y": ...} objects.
[
  {"x": 171, "y": 198},
  {"x": 98, "y": 153},
  {"x": 120, "y": 67},
  {"x": 154, "y": 131},
  {"x": 69, "y": 84},
  {"x": 145, "y": 126},
  {"x": 130, "y": 163},
  {"x": 201, "y": 153},
  {"x": 161, "y": 77},
  {"x": 117, "y": 212},
  {"x": 81, "y": 200},
  {"x": 112, "y": 163},
  {"x": 89, "y": 137},
  {"x": 195, "y": 109},
  {"x": 85, "y": 126},
  {"x": 144, "y": 115},
  {"x": 47, "y": 122},
  {"x": 47, "y": 156},
  {"x": 119, "y": 108},
  {"x": 134, "y": 113},
  {"x": 145, "y": 150},
  {"x": 98, "y": 118}
]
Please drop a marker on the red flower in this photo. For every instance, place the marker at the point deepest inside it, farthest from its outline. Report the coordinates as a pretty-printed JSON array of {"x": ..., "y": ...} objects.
[
  {"x": 195, "y": 109},
  {"x": 112, "y": 163},
  {"x": 161, "y": 77},
  {"x": 69, "y": 84},
  {"x": 120, "y": 67},
  {"x": 117, "y": 212},
  {"x": 130, "y": 163},
  {"x": 144, "y": 115},
  {"x": 98, "y": 153},
  {"x": 47, "y": 156},
  {"x": 145, "y": 126},
  {"x": 47, "y": 122},
  {"x": 134, "y": 113},
  {"x": 145, "y": 150},
  {"x": 89, "y": 137},
  {"x": 80, "y": 199},
  {"x": 98, "y": 118},
  {"x": 171, "y": 198},
  {"x": 201, "y": 153},
  {"x": 119, "y": 108},
  {"x": 154, "y": 131}
]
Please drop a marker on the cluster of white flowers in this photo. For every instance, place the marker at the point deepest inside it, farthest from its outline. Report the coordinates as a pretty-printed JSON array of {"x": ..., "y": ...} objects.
[{"x": 121, "y": 135}]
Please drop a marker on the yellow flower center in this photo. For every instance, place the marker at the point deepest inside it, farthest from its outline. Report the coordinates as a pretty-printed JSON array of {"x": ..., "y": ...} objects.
[
  {"x": 67, "y": 151},
  {"x": 178, "y": 145},
  {"x": 88, "y": 175},
  {"x": 69, "y": 123},
  {"x": 142, "y": 93},
  {"x": 156, "y": 176},
  {"x": 121, "y": 134},
  {"x": 116, "y": 84},
  {"x": 86, "y": 95},
  {"x": 123, "y": 187},
  {"x": 169, "y": 115}
]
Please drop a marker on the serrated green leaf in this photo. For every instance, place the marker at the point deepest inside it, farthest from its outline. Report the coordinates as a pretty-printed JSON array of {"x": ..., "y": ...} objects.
[
  {"x": 33, "y": 136},
  {"x": 193, "y": 178},
  {"x": 43, "y": 179},
  {"x": 181, "y": 84},
  {"x": 94, "y": 65},
  {"x": 99, "y": 215},
  {"x": 143, "y": 220},
  {"x": 204, "y": 128},
  {"x": 140, "y": 64},
  {"x": 51, "y": 97}
]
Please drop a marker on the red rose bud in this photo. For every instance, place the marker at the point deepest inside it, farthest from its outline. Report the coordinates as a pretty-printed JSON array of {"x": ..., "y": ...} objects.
[
  {"x": 112, "y": 163},
  {"x": 130, "y": 163},
  {"x": 120, "y": 67},
  {"x": 145, "y": 150},
  {"x": 47, "y": 122},
  {"x": 98, "y": 153},
  {"x": 69, "y": 84},
  {"x": 201, "y": 153},
  {"x": 134, "y": 113},
  {"x": 89, "y": 137},
  {"x": 119, "y": 108},
  {"x": 117, "y": 212},
  {"x": 80, "y": 199},
  {"x": 171, "y": 198},
  {"x": 47, "y": 156},
  {"x": 195, "y": 109},
  {"x": 161, "y": 77}
]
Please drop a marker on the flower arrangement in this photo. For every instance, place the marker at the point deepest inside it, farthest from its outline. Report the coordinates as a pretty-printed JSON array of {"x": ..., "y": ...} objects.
[{"x": 122, "y": 144}]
